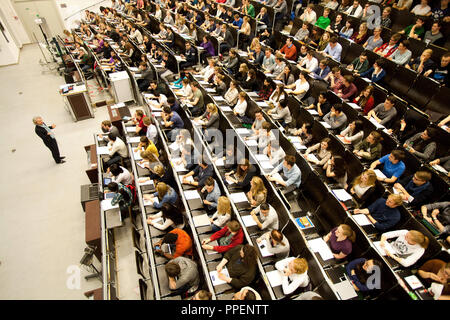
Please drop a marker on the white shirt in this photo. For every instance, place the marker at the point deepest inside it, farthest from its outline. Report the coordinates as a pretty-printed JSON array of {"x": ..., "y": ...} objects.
[
  {"x": 119, "y": 147},
  {"x": 137, "y": 35},
  {"x": 310, "y": 17},
  {"x": 310, "y": 65},
  {"x": 301, "y": 86},
  {"x": 124, "y": 178},
  {"x": 152, "y": 133},
  {"x": 241, "y": 107},
  {"x": 408, "y": 252},
  {"x": 421, "y": 11},
  {"x": 297, "y": 280},
  {"x": 357, "y": 13},
  {"x": 207, "y": 72}
]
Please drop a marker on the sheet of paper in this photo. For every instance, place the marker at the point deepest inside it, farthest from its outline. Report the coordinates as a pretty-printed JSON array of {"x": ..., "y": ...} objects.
[
  {"x": 354, "y": 105},
  {"x": 226, "y": 109},
  {"x": 275, "y": 278},
  {"x": 215, "y": 277},
  {"x": 191, "y": 194},
  {"x": 299, "y": 146},
  {"x": 343, "y": 140},
  {"x": 262, "y": 104},
  {"x": 248, "y": 221},
  {"x": 413, "y": 282},
  {"x": 142, "y": 164},
  {"x": 219, "y": 98},
  {"x": 102, "y": 150},
  {"x": 440, "y": 168},
  {"x": 228, "y": 180},
  {"x": 202, "y": 220},
  {"x": 381, "y": 250},
  {"x": 219, "y": 162},
  {"x": 213, "y": 244},
  {"x": 106, "y": 205},
  {"x": 238, "y": 197},
  {"x": 210, "y": 90},
  {"x": 320, "y": 246},
  {"x": 345, "y": 290},
  {"x": 266, "y": 165},
  {"x": 312, "y": 157},
  {"x": 342, "y": 195},
  {"x": 277, "y": 176},
  {"x": 174, "y": 146},
  {"x": 313, "y": 112},
  {"x": 151, "y": 202},
  {"x": 134, "y": 139},
  {"x": 326, "y": 125},
  {"x": 262, "y": 157},
  {"x": 137, "y": 155},
  {"x": 131, "y": 129},
  {"x": 251, "y": 143},
  {"x": 379, "y": 173},
  {"x": 263, "y": 248},
  {"x": 145, "y": 182},
  {"x": 379, "y": 126},
  {"x": 242, "y": 131},
  {"x": 190, "y": 179},
  {"x": 361, "y": 219}
]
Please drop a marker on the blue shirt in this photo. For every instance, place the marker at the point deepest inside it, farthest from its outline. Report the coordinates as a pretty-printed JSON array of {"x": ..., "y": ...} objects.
[
  {"x": 294, "y": 175},
  {"x": 171, "y": 196},
  {"x": 335, "y": 52},
  {"x": 392, "y": 170},
  {"x": 352, "y": 265},
  {"x": 386, "y": 217},
  {"x": 319, "y": 73},
  {"x": 177, "y": 121},
  {"x": 238, "y": 23}
]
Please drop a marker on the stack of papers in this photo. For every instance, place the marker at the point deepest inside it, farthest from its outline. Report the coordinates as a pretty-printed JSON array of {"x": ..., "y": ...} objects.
[
  {"x": 320, "y": 246},
  {"x": 226, "y": 109},
  {"x": 440, "y": 168},
  {"x": 102, "y": 150},
  {"x": 131, "y": 129},
  {"x": 262, "y": 157},
  {"x": 312, "y": 157},
  {"x": 379, "y": 173},
  {"x": 238, "y": 197},
  {"x": 202, "y": 220},
  {"x": 275, "y": 278},
  {"x": 151, "y": 202},
  {"x": 249, "y": 221},
  {"x": 361, "y": 219},
  {"x": 191, "y": 194},
  {"x": 379, "y": 126},
  {"x": 345, "y": 290},
  {"x": 215, "y": 277},
  {"x": 106, "y": 205},
  {"x": 142, "y": 164},
  {"x": 190, "y": 179},
  {"x": 145, "y": 182},
  {"x": 134, "y": 139},
  {"x": 341, "y": 194}
]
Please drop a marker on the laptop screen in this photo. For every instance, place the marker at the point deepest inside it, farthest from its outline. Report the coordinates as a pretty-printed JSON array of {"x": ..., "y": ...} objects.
[
  {"x": 106, "y": 181},
  {"x": 109, "y": 195}
]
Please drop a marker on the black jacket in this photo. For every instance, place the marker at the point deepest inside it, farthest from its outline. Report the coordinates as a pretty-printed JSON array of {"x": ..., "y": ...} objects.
[{"x": 42, "y": 133}]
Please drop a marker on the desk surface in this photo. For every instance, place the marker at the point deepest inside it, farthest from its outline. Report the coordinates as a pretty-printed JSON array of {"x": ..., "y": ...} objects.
[{"x": 76, "y": 89}]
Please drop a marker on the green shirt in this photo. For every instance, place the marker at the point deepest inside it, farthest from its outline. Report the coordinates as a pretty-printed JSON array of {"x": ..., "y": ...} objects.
[
  {"x": 419, "y": 31},
  {"x": 251, "y": 10},
  {"x": 323, "y": 22}
]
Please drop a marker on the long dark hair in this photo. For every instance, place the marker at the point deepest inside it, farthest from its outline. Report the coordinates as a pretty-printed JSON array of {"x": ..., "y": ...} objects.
[
  {"x": 171, "y": 212},
  {"x": 339, "y": 167},
  {"x": 249, "y": 255}
]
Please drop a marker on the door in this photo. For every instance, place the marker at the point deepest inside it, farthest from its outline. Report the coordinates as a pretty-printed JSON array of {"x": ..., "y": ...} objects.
[{"x": 29, "y": 11}]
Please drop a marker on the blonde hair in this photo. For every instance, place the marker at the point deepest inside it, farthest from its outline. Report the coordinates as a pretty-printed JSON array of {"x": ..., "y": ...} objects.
[
  {"x": 162, "y": 189},
  {"x": 348, "y": 232},
  {"x": 428, "y": 52},
  {"x": 300, "y": 265},
  {"x": 149, "y": 156},
  {"x": 259, "y": 187},
  {"x": 371, "y": 178},
  {"x": 159, "y": 170},
  {"x": 244, "y": 67},
  {"x": 223, "y": 205},
  {"x": 212, "y": 107},
  {"x": 396, "y": 198},
  {"x": 419, "y": 238}
]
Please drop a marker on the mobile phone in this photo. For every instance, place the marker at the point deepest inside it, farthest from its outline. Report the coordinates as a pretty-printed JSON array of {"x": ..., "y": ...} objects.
[{"x": 157, "y": 247}]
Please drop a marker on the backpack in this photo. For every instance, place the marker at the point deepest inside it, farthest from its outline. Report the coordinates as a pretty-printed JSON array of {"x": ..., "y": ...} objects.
[{"x": 132, "y": 189}]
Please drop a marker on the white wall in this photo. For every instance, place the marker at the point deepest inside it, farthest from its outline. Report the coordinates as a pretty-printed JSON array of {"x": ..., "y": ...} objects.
[
  {"x": 14, "y": 23},
  {"x": 9, "y": 51},
  {"x": 75, "y": 9}
]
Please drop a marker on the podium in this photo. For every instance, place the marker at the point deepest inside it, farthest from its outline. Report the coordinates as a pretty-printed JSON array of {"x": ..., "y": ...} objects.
[
  {"x": 121, "y": 85},
  {"x": 78, "y": 101}
]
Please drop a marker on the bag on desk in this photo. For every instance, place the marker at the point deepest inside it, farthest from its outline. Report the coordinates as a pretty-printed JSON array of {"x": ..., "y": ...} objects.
[{"x": 133, "y": 191}]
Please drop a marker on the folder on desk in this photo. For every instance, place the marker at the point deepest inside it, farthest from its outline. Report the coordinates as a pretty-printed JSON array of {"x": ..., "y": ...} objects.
[
  {"x": 238, "y": 197},
  {"x": 131, "y": 129},
  {"x": 298, "y": 146},
  {"x": 320, "y": 246},
  {"x": 248, "y": 221},
  {"x": 345, "y": 290},
  {"x": 263, "y": 248},
  {"x": 304, "y": 222},
  {"x": 149, "y": 203},
  {"x": 262, "y": 104},
  {"x": 275, "y": 278},
  {"x": 361, "y": 219},
  {"x": 191, "y": 195},
  {"x": 215, "y": 277},
  {"x": 210, "y": 90},
  {"x": 354, "y": 105},
  {"x": 341, "y": 194},
  {"x": 413, "y": 282},
  {"x": 212, "y": 244},
  {"x": 102, "y": 150},
  {"x": 202, "y": 220},
  {"x": 219, "y": 99},
  {"x": 312, "y": 157}
]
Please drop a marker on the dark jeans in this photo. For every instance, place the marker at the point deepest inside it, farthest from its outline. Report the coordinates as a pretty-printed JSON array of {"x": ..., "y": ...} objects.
[
  {"x": 53, "y": 146},
  {"x": 114, "y": 159},
  {"x": 215, "y": 228},
  {"x": 203, "y": 57}
]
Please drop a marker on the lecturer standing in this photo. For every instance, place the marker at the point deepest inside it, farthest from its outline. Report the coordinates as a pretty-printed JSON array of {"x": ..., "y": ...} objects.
[{"x": 46, "y": 134}]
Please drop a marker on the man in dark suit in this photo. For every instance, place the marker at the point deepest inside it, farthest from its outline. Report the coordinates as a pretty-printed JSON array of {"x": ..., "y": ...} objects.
[{"x": 45, "y": 133}]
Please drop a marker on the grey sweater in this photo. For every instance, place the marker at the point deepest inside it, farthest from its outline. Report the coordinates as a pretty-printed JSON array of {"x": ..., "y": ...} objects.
[
  {"x": 428, "y": 152},
  {"x": 385, "y": 115},
  {"x": 188, "y": 274},
  {"x": 335, "y": 122}
]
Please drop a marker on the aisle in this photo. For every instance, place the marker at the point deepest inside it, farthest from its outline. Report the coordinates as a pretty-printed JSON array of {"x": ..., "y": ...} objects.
[{"x": 42, "y": 222}]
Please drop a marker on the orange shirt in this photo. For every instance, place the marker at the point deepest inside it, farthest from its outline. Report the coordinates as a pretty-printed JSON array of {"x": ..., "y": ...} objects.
[
  {"x": 183, "y": 243},
  {"x": 290, "y": 53}
]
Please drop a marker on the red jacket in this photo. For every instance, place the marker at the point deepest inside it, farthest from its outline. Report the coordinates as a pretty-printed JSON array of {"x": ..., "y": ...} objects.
[
  {"x": 290, "y": 53},
  {"x": 237, "y": 239}
]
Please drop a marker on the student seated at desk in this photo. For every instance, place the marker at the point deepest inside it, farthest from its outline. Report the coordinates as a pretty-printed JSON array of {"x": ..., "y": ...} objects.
[
  {"x": 323, "y": 154},
  {"x": 277, "y": 244},
  {"x": 164, "y": 193},
  {"x": 383, "y": 213},
  {"x": 247, "y": 293},
  {"x": 354, "y": 133},
  {"x": 300, "y": 87},
  {"x": 408, "y": 246},
  {"x": 440, "y": 217},
  {"x": 385, "y": 112},
  {"x": 149, "y": 159},
  {"x": 183, "y": 276},
  {"x": 369, "y": 148},
  {"x": 159, "y": 174},
  {"x": 117, "y": 150},
  {"x": 423, "y": 144},
  {"x": 232, "y": 95},
  {"x": 172, "y": 217},
  {"x": 244, "y": 174},
  {"x": 322, "y": 105},
  {"x": 364, "y": 186},
  {"x": 393, "y": 166},
  {"x": 336, "y": 168},
  {"x": 336, "y": 118},
  {"x": 138, "y": 120},
  {"x": 211, "y": 194},
  {"x": 202, "y": 295},
  {"x": 278, "y": 94},
  {"x": 123, "y": 196},
  {"x": 282, "y": 113},
  {"x": 265, "y": 217},
  {"x": 228, "y": 237},
  {"x": 241, "y": 265},
  {"x": 202, "y": 171},
  {"x": 292, "y": 174},
  {"x": 360, "y": 270},
  {"x": 147, "y": 145},
  {"x": 275, "y": 153},
  {"x": 230, "y": 157},
  {"x": 222, "y": 215},
  {"x": 436, "y": 270},
  {"x": 173, "y": 121},
  {"x": 294, "y": 274},
  {"x": 304, "y": 133},
  {"x": 418, "y": 187},
  {"x": 257, "y": 193},
  {"x": 265, "y": 135},
  {"x": 178, "y": 241},
  {"x": 340, "y": 240},
  {"x": 257, "y": 123},
  {"x": 120, "y": 174}
]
